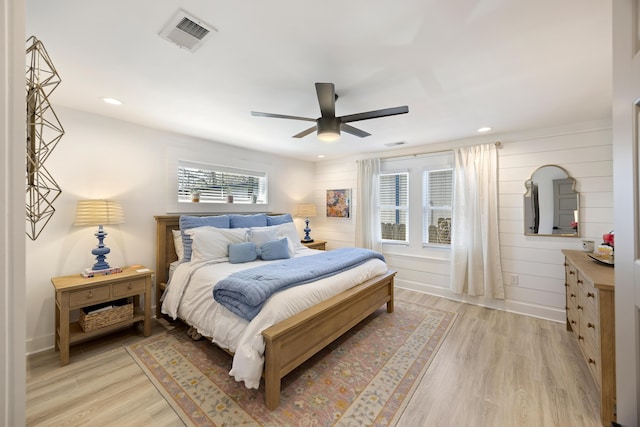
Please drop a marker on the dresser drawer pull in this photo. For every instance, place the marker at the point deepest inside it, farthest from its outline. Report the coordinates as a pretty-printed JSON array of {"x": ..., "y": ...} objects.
[
  {"x": 573, "y": 322},
  {"x": 566, "y": 285},
  {"x": 591, "y": 325},
  {"x": 130, "y": 286},
  {"x": 580, "y": 281},
  {"x": 593, "y": 362},
  {"x": 89, "y": 295},
  {"x": 591, "y": 295},
  {"x": 572, "y": 295},
  {"x": 572, "y": 272},
  {"x": 580, "y": 307},
  {"x": 580, "y": 337},
  {"x": 566, "y": 307}
]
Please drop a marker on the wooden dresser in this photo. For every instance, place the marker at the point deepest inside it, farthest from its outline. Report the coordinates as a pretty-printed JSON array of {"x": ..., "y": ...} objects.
[{"x": 591, "y": 316}]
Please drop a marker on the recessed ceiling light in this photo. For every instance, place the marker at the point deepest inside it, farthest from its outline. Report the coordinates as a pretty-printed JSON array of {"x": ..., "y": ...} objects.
[
  {"x": 321, "y": 155},
  {"x": 484, "y": 129},
  {"x": 112, "y": 101}
]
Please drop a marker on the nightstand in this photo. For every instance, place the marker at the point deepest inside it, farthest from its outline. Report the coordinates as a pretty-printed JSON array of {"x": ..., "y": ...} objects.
[
  {"x": 316, "y": 244},
  {"x": 75, "y": 292}
]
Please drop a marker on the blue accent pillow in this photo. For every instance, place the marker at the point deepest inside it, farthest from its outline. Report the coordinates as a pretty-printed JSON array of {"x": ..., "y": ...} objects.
[
  {"x": 242, "y": 252},
  {"x": 279, "y": 219},
  {"x": 187, "y": 222},
  {"x": 275, "y": 249},
  {"x": 247, "y": 221}
]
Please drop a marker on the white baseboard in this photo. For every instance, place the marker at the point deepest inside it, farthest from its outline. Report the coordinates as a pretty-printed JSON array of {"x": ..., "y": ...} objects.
[{"x": 541, "y": 312}]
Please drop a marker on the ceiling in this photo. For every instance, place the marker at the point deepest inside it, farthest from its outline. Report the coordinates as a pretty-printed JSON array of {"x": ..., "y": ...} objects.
[{"x": 459, "y": 65}]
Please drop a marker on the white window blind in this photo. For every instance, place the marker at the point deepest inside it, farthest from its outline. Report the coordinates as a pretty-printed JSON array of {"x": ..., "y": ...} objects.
[
  {"x": 214, "y": 183},
  {"x": 437, "y": 200},
  {"x": 394, "y": 204}
]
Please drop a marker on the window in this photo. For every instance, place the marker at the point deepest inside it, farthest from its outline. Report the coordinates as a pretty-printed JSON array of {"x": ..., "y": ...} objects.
[
  {"x": 437, "y": 199},
  {"x": 394, "y": 204},
  {"x": 214, "y": 183}
]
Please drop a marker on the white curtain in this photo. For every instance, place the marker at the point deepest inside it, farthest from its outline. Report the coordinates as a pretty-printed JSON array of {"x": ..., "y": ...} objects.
[
  {"x": 367, "y": 213},
  {"x": 475, "y": 247}
]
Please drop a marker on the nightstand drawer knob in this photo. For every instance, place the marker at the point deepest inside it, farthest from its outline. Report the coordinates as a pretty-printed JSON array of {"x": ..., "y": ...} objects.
[
  {"x": 90, "y": 295},
  {"x": 130, "y": 286},
  {"x": 590, "y": 295},
  {"x": 591, "y": 325}
]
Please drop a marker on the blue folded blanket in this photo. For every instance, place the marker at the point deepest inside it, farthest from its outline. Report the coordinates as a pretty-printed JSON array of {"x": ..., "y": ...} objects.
[{"x": 245, "y": 292}]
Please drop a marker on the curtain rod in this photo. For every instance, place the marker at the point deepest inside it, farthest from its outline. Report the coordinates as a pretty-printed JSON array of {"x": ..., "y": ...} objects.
[{"x": 498, "y": 144}]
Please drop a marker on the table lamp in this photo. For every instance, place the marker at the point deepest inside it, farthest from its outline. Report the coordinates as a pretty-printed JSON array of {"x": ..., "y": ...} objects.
[
  {"x": 99, "y": 212},
  {"x": 307, "y": 211}
]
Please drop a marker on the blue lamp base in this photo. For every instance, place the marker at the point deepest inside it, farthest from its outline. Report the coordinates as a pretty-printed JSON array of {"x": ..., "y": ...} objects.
[
  {"x": 307, "y": 238},
  {"x": 101, "y": 251}
]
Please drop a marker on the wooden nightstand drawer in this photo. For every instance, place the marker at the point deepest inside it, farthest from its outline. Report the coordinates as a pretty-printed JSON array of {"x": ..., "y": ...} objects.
[
  {"x": 132, "y": 287},
  {"x": 85, "y": 297}
]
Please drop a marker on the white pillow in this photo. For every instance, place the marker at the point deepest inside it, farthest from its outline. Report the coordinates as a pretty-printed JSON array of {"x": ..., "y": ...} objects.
[
  {"x": 261, "y": 235},
  {"x": 211, "y": 243},
  {"x": 177, "y": 244},
  {"x": 288, "y": 230}
]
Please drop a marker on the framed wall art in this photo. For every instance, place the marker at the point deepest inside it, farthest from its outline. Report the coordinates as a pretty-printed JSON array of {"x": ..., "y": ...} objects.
[{"x": 339, "y": 203}]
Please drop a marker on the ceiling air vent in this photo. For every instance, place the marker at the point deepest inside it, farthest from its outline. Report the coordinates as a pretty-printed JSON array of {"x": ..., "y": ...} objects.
[{"x": 187, "y": 31}]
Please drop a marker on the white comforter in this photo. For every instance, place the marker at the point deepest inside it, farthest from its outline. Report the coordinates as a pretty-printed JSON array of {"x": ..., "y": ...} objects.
[{"x": 189, "y": 296}]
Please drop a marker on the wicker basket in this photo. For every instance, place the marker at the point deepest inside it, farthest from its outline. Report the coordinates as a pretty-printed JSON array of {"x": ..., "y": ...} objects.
[{"x": 92, "y": 321}]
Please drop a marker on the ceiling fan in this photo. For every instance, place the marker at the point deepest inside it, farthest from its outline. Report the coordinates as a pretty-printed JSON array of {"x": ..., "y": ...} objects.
[{"x": 328, "y": 125}]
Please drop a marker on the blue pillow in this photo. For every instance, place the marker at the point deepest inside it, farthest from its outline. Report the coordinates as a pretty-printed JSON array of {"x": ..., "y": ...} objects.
[
  {"x": 247, "y": 221},
  {"x": 242, "y": 252},
  {"x": 187, "y": 222},
  {"x": 275, "y": 249},
  {"x": 279, "y": 219}
]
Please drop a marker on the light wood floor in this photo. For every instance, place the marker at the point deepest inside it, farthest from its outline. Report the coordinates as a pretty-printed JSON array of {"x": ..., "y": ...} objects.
[{"x": 494, "y": 369}]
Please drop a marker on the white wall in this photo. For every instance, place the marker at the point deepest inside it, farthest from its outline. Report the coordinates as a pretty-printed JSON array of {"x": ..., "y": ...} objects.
[
  {"x": 105, "y": 158},
  {"x": 584, "y": 150}
]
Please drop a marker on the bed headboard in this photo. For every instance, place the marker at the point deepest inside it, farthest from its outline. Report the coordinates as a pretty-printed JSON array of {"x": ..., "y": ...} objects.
[{"x": 166, "y": 251}]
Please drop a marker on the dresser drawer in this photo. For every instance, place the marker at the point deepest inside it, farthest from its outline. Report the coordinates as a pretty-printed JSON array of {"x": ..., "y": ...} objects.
[
  {"x": 87, "y": 297},
  {"x": 590, "y": 326},
  {"x": 132, "y": 287},
  {"x": 592, "y": 356},
  {"x": 590, "y": 295}
]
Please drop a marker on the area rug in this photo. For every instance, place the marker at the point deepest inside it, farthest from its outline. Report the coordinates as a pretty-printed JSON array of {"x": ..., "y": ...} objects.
[{"x": 365, "y": 378}]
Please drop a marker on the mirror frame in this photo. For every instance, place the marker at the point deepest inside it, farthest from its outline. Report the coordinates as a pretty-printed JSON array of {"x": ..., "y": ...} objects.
[{"x": 527, "y": 185}]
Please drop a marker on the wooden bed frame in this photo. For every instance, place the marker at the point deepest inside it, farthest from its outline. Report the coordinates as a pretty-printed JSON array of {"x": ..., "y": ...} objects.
[{"x": 294, "y": 340}]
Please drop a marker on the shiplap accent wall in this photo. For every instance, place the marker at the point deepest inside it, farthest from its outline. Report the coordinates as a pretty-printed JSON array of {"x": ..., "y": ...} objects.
[{"x": 535, "y": 261}]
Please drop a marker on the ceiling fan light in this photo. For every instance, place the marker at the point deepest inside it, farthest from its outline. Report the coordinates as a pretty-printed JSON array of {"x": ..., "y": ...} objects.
[{"x": 328, "y": 135}]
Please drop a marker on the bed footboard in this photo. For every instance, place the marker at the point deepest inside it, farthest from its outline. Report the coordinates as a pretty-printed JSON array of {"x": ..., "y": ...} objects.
[{"x": 292, "y": 341}]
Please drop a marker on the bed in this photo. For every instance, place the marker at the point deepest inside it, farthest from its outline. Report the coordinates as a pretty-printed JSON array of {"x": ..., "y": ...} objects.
[{"x": 290, "y": 342}]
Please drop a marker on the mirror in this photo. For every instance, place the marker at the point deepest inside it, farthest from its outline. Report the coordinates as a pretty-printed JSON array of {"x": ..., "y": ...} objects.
[{"x": 551, "y": 203}]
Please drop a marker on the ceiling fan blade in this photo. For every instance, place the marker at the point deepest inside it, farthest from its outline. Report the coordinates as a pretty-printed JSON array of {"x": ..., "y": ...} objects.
[
  {"x": 281, "y": 116},
  {"x": 305, "y": 132},
  {"x": 354, "y": 131},
  {"x": 374, "y": 114},
  {"x": 327, "y": 99}
]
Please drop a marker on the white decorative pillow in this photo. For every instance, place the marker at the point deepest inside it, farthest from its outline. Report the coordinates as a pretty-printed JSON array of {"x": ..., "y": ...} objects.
[
  {"x": 275, "y": 232},
  {"x": 177, "y": 244},
  {"x": 210, "y": 243},
  {"x": 261, "y": 235},
  {"x": 288, "y": 230}
]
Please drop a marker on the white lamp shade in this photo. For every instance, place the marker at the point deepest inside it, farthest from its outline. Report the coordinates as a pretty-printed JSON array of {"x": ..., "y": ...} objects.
[
  {"x": 306, "y": 210},
  {"x": 99, "y": 212}
]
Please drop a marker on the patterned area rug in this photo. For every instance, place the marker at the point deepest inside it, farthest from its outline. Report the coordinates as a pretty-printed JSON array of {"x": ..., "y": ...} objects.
[{"x": 366, "y": 377}]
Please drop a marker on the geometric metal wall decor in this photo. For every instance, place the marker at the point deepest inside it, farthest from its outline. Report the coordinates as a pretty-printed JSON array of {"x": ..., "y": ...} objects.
[{"x": 43, "y": 134}]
